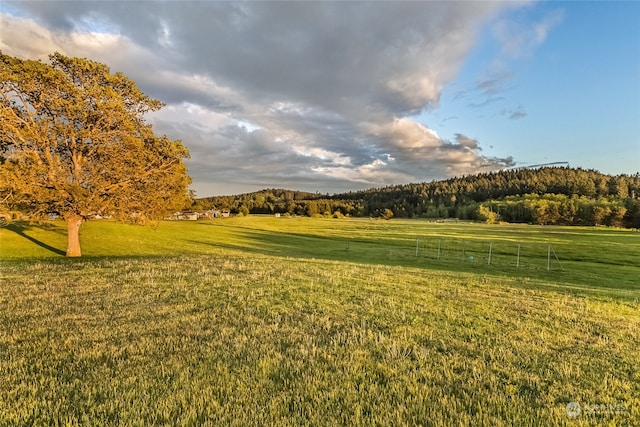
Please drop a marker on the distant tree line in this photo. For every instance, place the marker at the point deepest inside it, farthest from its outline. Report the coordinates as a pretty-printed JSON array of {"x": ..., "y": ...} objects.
[
  {"x": 550, "y": 195},
  {"x": 558, "y": 209}
]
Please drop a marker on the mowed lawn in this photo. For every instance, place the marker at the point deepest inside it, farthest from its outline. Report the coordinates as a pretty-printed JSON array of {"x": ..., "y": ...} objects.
[{"x": 264, "y": 321}]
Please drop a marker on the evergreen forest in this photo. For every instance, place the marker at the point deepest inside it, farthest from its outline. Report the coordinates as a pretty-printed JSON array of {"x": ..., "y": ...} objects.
[{"x": 546, "y": 196}]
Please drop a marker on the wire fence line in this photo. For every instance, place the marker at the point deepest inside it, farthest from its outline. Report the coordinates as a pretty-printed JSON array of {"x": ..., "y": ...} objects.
[
  {"x": 493, "y": 254},
  {"x": 490, "y": 253}
]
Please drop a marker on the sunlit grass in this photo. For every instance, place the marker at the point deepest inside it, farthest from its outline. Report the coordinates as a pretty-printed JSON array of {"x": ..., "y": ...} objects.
[
  {"x": 589, "y": 259},
  {"x": 196, "y": 324}
]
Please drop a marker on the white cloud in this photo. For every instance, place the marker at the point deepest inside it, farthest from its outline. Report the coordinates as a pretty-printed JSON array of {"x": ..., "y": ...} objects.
[
  {"x": 405, "y": 133},
  {"x": 311, "y": 95},
  {"x": 519, "y": 38},
  {"x": 24, "y": 38}
]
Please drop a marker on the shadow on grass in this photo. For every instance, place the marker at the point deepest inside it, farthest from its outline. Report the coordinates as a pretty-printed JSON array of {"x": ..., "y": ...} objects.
[
  {"x": 300, "y": 245},
  {"x": 19, "y": 228},
  {"x": 576, "y": 276}
]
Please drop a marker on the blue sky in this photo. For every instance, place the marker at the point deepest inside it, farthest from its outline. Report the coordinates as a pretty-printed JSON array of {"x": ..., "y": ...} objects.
[
  {"x": 338, "y": 96},
  {"x": 577, "y": 94}
]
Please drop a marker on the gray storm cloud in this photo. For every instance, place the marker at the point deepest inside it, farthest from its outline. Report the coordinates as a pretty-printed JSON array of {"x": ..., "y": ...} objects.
[{"x": 311, "y": 95}]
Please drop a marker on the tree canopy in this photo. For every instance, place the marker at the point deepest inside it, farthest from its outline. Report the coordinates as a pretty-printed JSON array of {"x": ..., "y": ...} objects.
[
  {"x": 74, "y": 142},
  {"x": 551, "y": 195}
]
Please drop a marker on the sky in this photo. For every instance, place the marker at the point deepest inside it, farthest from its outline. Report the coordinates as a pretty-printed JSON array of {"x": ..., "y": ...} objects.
[{"x": 335, "y": 96}]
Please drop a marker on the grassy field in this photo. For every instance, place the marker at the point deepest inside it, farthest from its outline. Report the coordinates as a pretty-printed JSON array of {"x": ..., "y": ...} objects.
[{"x": 264, "y": 321}]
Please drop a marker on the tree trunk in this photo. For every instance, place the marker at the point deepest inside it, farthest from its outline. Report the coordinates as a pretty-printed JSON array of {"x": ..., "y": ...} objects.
[{"x": 73, "y": 236}]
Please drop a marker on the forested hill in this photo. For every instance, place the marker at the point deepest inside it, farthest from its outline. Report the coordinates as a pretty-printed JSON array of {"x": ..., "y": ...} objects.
[{"x": 549, "y": 195}]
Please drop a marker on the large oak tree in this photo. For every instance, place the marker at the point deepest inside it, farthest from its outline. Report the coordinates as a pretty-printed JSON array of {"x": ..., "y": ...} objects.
[{"x": 74, "y": 142}]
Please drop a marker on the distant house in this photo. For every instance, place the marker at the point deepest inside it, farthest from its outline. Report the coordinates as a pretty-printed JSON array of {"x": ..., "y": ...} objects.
[
  {"x": 217, "y": 213},
  {"x": 194, "y": 216},
  {"x": 207, "y": 214},
  {"x": 174, "y": 216},
  {"x": 191, "y": 216}
]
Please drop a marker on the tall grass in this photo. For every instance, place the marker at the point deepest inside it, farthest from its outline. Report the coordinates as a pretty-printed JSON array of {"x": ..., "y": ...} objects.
[
  {"x": 589, "y": 259},
  {"x": 195, "y": 326}
]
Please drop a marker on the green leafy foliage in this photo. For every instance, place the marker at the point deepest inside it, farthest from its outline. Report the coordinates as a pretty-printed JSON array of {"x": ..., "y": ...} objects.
[
  {"x": 74, "y": 143},
  {"x": 580, "y": 197},
  {"x": 557, "y": 209}
]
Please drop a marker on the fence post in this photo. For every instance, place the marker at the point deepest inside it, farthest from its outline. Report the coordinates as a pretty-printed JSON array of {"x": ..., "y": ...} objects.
[
  {"x": 557, "y": 259},
  {"x": 417, "y": 244},
  {"x": 518, "y": 258},
  {"x": 549, "y": 257},
  {"x": 439, "y": 242},
  {"x": 490, "y": 249}
]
